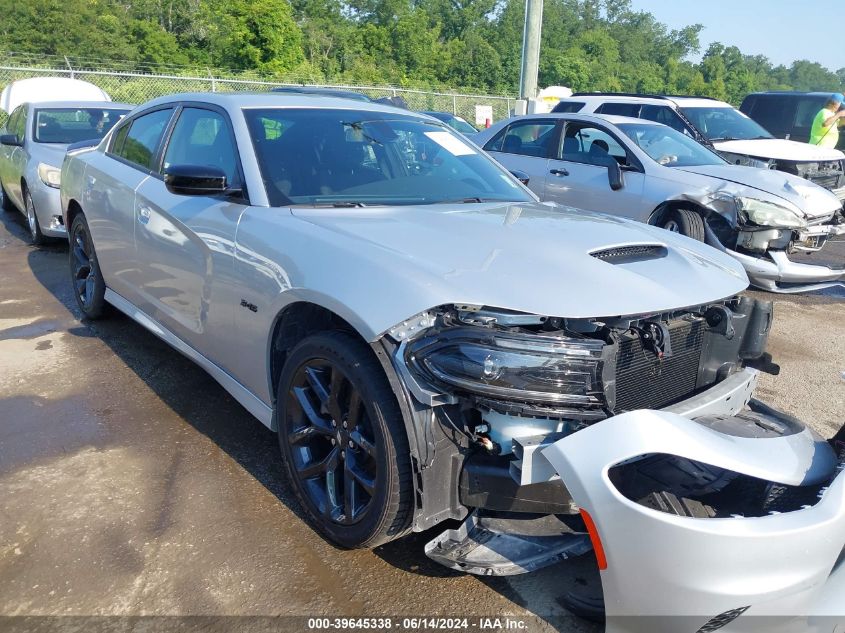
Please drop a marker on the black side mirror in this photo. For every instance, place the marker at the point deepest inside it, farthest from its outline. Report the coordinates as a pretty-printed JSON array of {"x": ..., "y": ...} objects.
[
  {"x": 195, "y": 180},
  {"x": 10, "y": 139},
  {"x": 614, "y": 175},
  {"x": 521, "y": 176}
]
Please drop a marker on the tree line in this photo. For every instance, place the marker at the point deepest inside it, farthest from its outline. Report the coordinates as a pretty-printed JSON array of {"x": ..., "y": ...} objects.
[{"x": 602, "y": 45}]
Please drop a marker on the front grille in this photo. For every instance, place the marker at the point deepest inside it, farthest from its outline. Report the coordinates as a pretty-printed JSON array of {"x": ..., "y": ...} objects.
[
  {"x": 828, "y": 182},
  {"x": 645, "y": 382}
]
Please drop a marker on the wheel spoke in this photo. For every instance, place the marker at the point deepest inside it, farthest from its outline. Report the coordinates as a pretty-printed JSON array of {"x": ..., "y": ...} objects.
[
  {"x": 353, "y": 411},
  {"x": 80, "y": 286},
  {"x": 307, "y": 433},
  {"x": 335, "y": 388},
  {"x": 80, "y": 257},
  {"x": 349, "y": 496},
  {"x": 321, "y": 467},
  {"x": 318, "y": 421},
  {"x": 89, "y": 287},
  {"x": 353, "y": 470},
  {"x": 363, "y": 443},
  {"x": 317, "y": 383}
]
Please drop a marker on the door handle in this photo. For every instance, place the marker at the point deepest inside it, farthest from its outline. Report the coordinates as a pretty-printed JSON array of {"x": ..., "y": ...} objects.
[
  {"x": 143, "y": 215},
  {"x": 559, "y": 172}
]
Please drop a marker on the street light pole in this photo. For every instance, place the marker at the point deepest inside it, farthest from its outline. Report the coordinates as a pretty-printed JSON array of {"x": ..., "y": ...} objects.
[{"x": 531, "y": 49}]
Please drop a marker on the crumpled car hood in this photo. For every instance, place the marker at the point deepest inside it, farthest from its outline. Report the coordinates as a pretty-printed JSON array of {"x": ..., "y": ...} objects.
[
  {"x": 532, "y": 258},
  {"x": 813, "y": 200},
  {"x": 779, "y": 149}
]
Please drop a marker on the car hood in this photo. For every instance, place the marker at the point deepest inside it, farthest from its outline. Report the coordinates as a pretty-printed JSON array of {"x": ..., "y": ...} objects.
[
  {"x": 50, "y": 153},
  {"x": 532, "y": 258},
  {"x": 779, "y": 149},
  {"x": 814, "y": 201}
]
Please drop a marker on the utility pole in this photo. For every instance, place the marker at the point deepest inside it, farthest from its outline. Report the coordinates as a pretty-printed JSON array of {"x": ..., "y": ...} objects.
[{"x": 531, "y": 49}]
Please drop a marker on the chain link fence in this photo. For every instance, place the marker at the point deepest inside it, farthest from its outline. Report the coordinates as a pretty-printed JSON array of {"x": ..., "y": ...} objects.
[{"x": 138, "y": 87}]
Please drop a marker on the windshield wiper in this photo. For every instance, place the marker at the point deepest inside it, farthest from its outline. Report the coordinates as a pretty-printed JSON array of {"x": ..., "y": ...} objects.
[{"x": 468, "y": 200}]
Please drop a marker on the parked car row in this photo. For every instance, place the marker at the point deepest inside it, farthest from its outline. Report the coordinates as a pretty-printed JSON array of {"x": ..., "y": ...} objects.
[
  {"x": 431, "y": 341},
  {"x": 774, "y": 223}
]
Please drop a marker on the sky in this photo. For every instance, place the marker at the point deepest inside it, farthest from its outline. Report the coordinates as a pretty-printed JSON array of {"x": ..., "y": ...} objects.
[{"x": 782, "y": 30}]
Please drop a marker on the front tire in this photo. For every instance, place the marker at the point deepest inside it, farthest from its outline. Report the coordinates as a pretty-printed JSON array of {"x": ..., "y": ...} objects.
[
  {"x": 36, "y": 238},
  {"x": 343, "y": 441},
  {"x": 89, "y": 287},
  {"x": 686, "y": 222},
  {"x": 8, "y": 206}
]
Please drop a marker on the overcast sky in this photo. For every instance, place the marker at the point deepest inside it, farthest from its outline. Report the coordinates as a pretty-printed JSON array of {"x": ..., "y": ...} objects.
[{"x": 782, "y": 30}]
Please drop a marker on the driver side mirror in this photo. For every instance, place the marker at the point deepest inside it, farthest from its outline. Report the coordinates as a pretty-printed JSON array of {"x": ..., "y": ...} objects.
[
  {"x": 195, "y": 180},
  {"x": 10, "y": 139},
  {"x": 521, "y": 176},
  {"x": 614, "y": 175}
]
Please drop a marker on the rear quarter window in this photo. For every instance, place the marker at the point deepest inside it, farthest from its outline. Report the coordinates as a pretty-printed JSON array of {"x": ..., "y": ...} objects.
[{"x": 568, "y": 106}]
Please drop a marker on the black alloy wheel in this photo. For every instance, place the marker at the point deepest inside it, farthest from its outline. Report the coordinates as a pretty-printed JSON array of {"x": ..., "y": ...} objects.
[
  {"x": 343, "y": 441},
  {"x": 88, "y": 285}
]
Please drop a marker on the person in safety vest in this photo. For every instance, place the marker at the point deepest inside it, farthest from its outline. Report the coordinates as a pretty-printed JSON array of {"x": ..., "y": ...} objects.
[{"x": 826, "y": 124}]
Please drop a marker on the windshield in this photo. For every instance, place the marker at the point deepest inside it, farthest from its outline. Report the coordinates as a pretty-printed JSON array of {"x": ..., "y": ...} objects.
[
  {"x": 70, "y": 125},
  {"x": 337, "y": 157},
  {"x": 459, "y": 124},
  {"x": 725, "y": 124},
  {"x": 668, "y": 146}
]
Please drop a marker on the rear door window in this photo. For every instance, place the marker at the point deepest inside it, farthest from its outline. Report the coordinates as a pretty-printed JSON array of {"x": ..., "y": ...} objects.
[
  {"x": 138, "y": 141},
  {"x": 525, "y": 138},
  {"x": 620, "y": 109}
]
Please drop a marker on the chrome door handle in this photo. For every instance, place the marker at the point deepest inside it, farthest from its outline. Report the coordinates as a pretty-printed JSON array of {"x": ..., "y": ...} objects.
[
  {"x": 559, "y": 172},
  {"x": 144, "y": 215}
]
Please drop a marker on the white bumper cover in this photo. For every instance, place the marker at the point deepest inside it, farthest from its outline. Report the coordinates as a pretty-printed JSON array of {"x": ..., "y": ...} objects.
[{"x": 671, "y": 573}]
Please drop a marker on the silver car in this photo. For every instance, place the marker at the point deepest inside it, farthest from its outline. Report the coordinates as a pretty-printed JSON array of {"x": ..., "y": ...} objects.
[
  {"x": 776, "y": 224},
  {"x": 32, "y": 148},
  {"x": 430, "y": 342}
]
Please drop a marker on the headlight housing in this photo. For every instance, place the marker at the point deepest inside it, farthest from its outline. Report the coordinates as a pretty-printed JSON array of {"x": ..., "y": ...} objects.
[
  {"x": 50, "y": 176},
  {"x": 765, "y": 213},
  {"x": 511, "y": 366}
]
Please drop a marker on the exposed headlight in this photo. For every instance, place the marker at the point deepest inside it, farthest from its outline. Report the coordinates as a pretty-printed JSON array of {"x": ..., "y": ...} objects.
[
  {"x": 50, "y": 176},
  {"x": 509, "y": 366},
  {"x": 765, "y": 213}
]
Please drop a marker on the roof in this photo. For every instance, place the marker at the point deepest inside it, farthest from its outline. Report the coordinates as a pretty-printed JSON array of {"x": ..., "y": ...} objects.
[
  {"x": 93, "y": 105},
  {"x": 234, "y": 100},
  {"x": 629, "y": 97}
]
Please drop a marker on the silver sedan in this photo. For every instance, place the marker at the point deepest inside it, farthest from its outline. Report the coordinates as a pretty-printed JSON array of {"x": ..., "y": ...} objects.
[
  {"x": 430, "y": 342},
  {"x": 32, "y": 148}
]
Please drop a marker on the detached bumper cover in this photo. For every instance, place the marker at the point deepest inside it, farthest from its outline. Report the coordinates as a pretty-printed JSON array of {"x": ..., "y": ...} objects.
[
  {"x": 671, "y": 573},
  {"x": 48, "y": 210}
]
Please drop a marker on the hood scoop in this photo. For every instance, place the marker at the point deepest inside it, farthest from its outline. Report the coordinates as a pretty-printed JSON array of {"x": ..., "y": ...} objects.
[{"x": 630, "y": 253}]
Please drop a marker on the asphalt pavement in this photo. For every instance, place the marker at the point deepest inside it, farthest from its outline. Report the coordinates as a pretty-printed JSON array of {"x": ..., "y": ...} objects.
[{"x": 131, "y": 484}]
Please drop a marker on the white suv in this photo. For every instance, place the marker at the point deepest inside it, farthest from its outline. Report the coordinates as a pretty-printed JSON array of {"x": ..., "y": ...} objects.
[{"x": 717, "y": 124}]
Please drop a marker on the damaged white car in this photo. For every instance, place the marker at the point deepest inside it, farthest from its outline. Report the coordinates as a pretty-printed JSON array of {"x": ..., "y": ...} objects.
[
  {"x": 776, "y": 224},
  {"x": 432, "y": 343}
]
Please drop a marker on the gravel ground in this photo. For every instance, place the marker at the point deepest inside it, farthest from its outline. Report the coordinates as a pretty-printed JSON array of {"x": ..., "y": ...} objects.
[{"x": 133, "y": 485}]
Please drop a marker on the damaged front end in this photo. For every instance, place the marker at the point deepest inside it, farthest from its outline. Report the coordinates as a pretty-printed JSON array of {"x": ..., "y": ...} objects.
[
  {"x": 780, "y": 247},
  {"x": 559, "y": 436}
]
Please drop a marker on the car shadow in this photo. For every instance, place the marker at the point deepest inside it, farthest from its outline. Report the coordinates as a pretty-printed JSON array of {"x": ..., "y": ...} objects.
[{"x": 175, "y": 380}]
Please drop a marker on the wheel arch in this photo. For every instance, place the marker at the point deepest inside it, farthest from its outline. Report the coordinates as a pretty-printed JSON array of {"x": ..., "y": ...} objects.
[
  {"x": 73, "y": 209},
  {"x": 301, "y": 318},
  {"x": 665, "y": 208}
]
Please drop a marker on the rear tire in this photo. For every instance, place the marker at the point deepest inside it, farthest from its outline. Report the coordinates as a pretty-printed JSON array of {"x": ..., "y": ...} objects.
[
  {"x": 8, "y": 206},
  {"x": 343, "y": 441},
  {"x": 89, "y": 287},
  {"x": 686, "y": 222}
]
